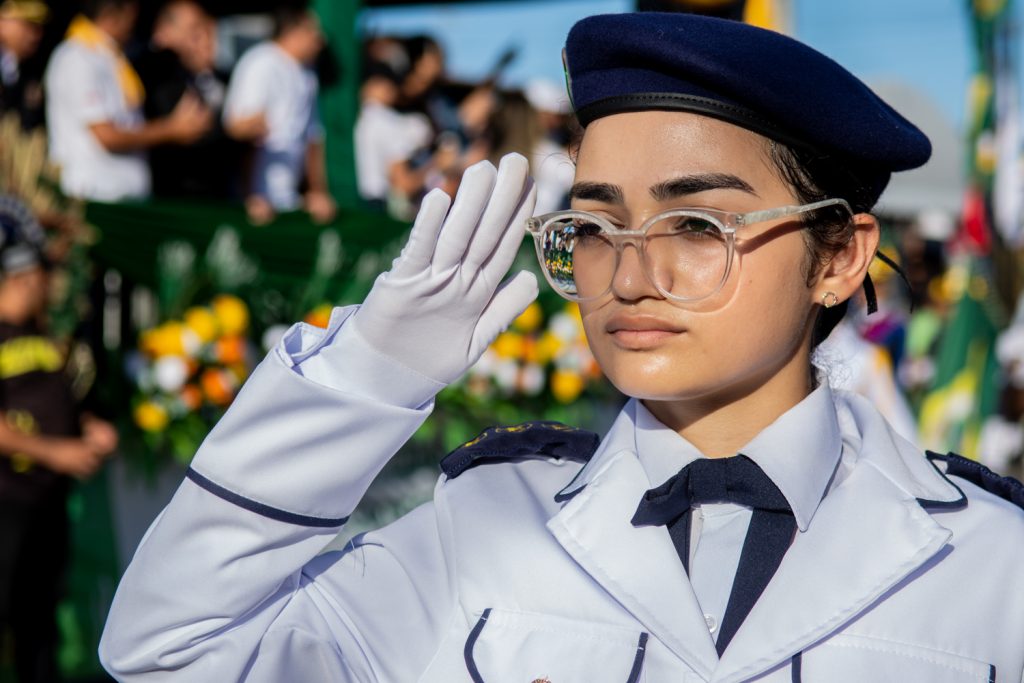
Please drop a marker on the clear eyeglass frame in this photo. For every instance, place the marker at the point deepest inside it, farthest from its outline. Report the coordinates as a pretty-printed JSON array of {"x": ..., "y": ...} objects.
[{"x": 727, "y": 222}]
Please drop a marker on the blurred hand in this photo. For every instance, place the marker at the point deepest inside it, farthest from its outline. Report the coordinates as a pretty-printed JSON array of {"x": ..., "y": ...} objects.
[
  {"x": 249, "y": 128},
  {"x": 100, "y": 435},
  {"x": 73, "y": 457},
  {"x": 190, "y": 120},
  {"x": 320, "y": 206},
  {"x": 259, "y": 209}
]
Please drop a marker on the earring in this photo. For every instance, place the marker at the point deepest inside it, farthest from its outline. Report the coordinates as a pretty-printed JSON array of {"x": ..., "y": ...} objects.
[{"x": 829, "y": 299}]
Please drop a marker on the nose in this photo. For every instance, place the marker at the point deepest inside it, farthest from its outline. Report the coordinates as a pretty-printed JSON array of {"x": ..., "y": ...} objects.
[{"x": 630, "y": 280}]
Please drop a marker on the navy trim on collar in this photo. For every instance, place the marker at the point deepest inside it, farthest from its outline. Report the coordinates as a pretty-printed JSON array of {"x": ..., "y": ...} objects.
[
  {"x": 943, "y": 504},
  {"x": 1006, "y": 488}
]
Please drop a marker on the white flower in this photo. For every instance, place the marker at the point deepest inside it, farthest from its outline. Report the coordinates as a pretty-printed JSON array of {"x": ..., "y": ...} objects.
[
  {"x": 565, "y": 327},
  {"x": 170, "y": 373},
  {"x": 506, "y": 374},
  {"x": 532, "y": 379},
  {"x": 272, "y": 337}
]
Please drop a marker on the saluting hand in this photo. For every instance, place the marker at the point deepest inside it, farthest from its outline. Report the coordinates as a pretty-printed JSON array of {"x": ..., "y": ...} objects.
[{"x": 443, "y": 301}]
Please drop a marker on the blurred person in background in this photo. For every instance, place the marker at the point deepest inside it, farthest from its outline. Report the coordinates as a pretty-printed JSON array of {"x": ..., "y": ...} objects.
[
  {"x": 386, "y": 141},
  {"x": 98, "y": 134},
  {"x": 45, "y": 441},
  {"x": 179, "y": 63},
  {"x": 21, "y": 29},
  {"x": 461, "y": 113},
  {"x": 552, "y": 169},
  {"x": 272, "y": 103}
]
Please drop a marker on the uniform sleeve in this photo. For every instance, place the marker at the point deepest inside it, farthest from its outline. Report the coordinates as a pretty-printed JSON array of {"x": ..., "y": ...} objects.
[{"x": 229, "y": 583}]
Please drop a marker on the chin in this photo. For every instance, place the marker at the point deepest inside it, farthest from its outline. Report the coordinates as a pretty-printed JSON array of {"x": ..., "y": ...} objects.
[{"x": 657, "y": 378}]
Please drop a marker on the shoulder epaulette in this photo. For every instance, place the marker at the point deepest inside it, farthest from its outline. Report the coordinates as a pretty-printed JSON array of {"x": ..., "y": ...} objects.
[
  {"x": 530, "y": 439},
  {"x": 1007, "y": 488}
]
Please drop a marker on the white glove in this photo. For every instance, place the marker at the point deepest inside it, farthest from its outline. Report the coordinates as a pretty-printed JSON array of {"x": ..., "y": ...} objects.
[{"x": 440, "y": 306}]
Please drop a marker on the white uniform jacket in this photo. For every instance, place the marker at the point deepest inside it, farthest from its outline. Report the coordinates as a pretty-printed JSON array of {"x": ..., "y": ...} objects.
[{"x": 902, "y": 575}]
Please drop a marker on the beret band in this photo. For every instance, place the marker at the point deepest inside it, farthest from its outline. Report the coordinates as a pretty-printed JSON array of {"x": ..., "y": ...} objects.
[{"x": 668, "y": 101}]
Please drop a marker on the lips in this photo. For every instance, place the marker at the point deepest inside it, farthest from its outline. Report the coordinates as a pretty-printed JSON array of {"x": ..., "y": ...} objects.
[{"x": 641, "y": 331}]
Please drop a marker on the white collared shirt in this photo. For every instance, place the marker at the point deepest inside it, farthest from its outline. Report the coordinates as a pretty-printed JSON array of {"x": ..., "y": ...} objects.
[
  {"x": 801, "y": 467},
  {"x": 83, "y": 89}
]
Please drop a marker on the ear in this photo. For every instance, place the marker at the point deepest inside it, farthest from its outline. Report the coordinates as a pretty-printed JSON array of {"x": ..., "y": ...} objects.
[{"x": 845, "y": 272}]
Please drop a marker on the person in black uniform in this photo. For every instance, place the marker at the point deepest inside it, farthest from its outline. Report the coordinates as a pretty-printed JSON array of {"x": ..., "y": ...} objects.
[
  {"x": 177, "y": 64},
  {"x": 45, "y": 442}
]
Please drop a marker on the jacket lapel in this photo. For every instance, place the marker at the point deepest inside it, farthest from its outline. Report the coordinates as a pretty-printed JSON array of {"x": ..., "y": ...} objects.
[
  {"x": 637, "y": 566},
  {"x": 867, "y": 536}
]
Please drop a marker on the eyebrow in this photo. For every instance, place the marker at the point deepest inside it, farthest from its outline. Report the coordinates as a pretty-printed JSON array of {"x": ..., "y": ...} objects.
[
  {"x": 598, "y": 192},
  {"x": 670, "y": 189},
  {"x": 692, "y": 184}
]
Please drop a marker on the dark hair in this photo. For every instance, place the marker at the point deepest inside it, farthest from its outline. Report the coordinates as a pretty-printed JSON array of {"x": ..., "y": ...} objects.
[
  {"x": 94, "y": 8},
  {"x": 814, "y": 176},
  {"x": 288, "y": 16}
]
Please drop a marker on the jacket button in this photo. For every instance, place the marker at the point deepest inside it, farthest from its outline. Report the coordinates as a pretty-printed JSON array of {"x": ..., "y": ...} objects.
[{"x": 711, "y": 622}]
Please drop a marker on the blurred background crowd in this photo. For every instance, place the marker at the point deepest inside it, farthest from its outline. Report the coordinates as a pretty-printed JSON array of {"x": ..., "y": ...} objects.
[{"x": 180, "y": 180}]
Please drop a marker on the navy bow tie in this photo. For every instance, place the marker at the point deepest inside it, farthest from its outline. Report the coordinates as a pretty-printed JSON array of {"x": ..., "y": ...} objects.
[
  {"x": 706, "y": 480},
  {"x": 726, "y": 480}
]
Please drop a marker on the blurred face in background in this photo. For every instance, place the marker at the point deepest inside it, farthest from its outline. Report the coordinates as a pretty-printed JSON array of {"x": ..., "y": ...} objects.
[
  {"x": 23, "y": 294},
  {"x": 427, "y": 71},
  {"x": 20, "y": 37},
  {"x": 184, "y": 28},
  {"x": 119, "y": 22},
  {"x": 304, "y": 39}
]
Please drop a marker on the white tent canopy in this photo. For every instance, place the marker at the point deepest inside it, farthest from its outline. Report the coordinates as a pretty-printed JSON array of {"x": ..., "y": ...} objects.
[{"x": 939, "y": 184}]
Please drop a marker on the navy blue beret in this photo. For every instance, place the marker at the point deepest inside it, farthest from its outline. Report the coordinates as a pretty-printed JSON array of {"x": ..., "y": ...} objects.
[{"x": 751, "y": 77}]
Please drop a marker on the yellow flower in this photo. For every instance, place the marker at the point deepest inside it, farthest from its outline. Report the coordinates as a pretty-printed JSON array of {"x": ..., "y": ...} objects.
[
  {"x": 203, "y": 322},
  {"x": 530, "y": 319},
  {"x": 150, "y": 416},
  {"x": 508, "y": 345},
  {"x": 231, "y": 313},
  {"x": 170, "y": 339},
  {"x": 548, "y": 347},
  {"x": 566, "y": 385}
]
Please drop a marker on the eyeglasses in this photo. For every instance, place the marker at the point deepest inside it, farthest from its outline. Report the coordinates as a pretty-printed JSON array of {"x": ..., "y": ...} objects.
[{"x": 686, "y": 253}]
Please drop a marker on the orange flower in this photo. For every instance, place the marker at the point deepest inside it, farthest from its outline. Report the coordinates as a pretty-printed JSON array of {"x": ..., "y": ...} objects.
[
  {"x": 218, "y": 386},
  {"x": 230, "y": 350},
  {"x": 319, "y": 316},
  {"x": 191, "y": 397}
]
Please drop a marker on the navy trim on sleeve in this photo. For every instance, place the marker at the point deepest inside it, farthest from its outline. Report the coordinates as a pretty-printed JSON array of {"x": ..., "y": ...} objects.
[
  {"x": 796, "y": 666},
  {"x": 259, "y": 508}
]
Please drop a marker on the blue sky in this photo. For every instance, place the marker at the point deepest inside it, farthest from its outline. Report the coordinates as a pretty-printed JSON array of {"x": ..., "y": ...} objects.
[{"x": 924, "y": 43}]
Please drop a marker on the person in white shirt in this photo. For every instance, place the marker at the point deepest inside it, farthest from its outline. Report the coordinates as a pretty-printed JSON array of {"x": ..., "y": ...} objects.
[
  {"x": 98, "y": 135},
  {"x": 271, "y": 101},
  {"x": 385, "y": 139}
]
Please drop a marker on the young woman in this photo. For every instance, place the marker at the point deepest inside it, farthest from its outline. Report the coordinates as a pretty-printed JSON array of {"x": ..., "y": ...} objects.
[{"x": 739, "y": 522}]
